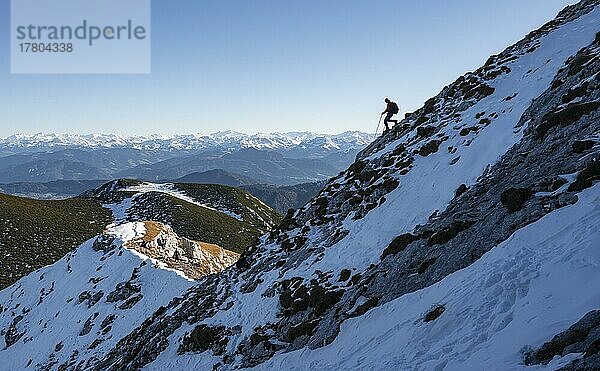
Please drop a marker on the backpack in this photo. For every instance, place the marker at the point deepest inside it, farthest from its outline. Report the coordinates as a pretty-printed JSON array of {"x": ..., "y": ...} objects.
[{"x": 394, "y": 109}]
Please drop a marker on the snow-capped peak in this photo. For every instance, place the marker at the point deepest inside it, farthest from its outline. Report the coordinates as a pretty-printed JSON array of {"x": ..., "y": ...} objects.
[{"x": 189, "y": 142}]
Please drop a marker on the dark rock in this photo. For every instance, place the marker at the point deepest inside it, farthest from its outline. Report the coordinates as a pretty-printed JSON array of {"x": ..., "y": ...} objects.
[
  {"x": 593, "y": 348},
  {"x": 580, "y": 60},
  {"x": 390, "y": 184},
  {"x": 425, "y": 265},
  {"x": 322, "y": 299},
  {"x": 460, "y": 190},
  {"x": 305, "y": 328},
  {"x": 356, "y": 167},
  {"x": 556, "y": 84},
  {"x": 445, "y": 235},
  {"x": 514, "y": 198},
  {"x": 108, "y": 320},
  {"x": 586, "y": 177},
  {"x": 573, "y": 340},
  {"x": 425, "y": 131},
  {"x": 429, "y": 148},
  {"x": 345, "y": 275},
  {"x": 130, "y": 302},
  {"x": 88, "y": 325},
  {"x": 480, "y": 91},
  {"x": 123, "y": 291},
  {"x": 466, "y": 131},
  {"x": 367, "y": 176},
  {"x": 288, "y": 222},
  {"x": 576, "y": 92},
  {"x": 91, "y": 298},
  {"x": 13, "y": 335},
  {"x": 94, "y": 344},
  {"x": 421, "y": 120},
  {"x": 557, "y": 183},
  {"x": 580, "y": 146},
  {"x": 398, "y": 244},
  {"x": 565, "y": 116},
  {"x": 203, "y": 338},
  {"x": 434, "y": 313},
  {"x": 428, "y": 106},
  {"x": 243, "y": 263},
  {"x": 365, "y": 307},
  {"x": 104, "y": 243},
  {"x": 291, "y": 244}
]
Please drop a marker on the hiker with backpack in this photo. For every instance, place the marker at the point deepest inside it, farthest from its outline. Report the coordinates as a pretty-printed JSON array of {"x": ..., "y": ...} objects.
[{"x": 391, "y": 109}]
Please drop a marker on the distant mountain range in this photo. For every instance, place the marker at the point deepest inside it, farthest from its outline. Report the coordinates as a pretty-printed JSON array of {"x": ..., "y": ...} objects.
[
  {"x": 293, "y": 142},
  {"x": 276, "y": 158}
]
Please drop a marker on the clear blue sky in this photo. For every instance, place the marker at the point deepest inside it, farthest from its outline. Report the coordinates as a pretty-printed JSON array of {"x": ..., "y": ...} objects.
[{"x": 273, "y": 65}]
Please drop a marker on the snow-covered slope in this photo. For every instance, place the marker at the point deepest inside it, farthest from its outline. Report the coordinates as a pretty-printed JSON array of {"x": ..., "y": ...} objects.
[
  {"x": 77, "y": 309},
  {"x": 542, "y": 279},
  {"x": 463, "y": 239}
]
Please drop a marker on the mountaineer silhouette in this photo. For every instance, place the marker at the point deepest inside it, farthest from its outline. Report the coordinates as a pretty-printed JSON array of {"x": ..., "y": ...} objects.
[{"x": 391, "y": 109}]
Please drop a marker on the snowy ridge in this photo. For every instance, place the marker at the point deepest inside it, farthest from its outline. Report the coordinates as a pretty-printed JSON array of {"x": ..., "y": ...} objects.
[
  {"x": 80, "y": 307},
  {"x": 460, "y": 159},
  {"x": 69, "y": 305},
  {"x": 328, "y": 235}
]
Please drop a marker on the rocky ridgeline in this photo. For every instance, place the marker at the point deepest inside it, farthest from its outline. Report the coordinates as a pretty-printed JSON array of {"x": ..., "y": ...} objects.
[{"x": 550, "y": 155}]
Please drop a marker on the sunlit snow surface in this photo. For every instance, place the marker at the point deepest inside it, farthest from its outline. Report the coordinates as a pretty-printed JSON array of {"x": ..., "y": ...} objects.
[
  {"x": 169, "y": 189},
  {"x": 51, "y": 295},
  {"x": 522, "y": 292}
]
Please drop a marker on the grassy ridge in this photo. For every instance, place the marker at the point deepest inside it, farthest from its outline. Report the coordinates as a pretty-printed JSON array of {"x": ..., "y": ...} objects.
[
  {"x": 35, "y": 233},
  {"x": 250, "y": 208}
]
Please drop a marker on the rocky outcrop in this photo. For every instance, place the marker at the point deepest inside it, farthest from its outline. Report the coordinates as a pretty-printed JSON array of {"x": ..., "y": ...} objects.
[
  {"x": 583, "y": 337},
  {"x": 194, "y": 259}
]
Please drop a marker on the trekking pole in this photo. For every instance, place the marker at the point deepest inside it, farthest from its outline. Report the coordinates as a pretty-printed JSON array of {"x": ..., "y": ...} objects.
[{"x": 379, "y": 123}]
